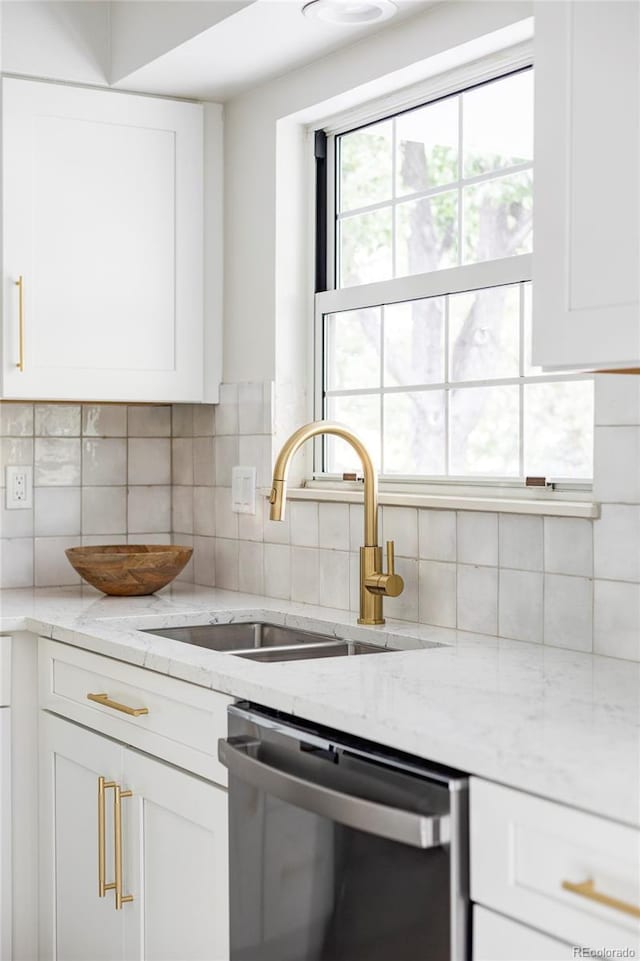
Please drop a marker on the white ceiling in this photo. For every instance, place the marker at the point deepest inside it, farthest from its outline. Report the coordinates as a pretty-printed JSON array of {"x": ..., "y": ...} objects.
[{"x": 264, "y": 39}]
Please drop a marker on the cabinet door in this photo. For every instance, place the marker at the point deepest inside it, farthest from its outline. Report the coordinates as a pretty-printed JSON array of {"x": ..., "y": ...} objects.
[
  {"x": 586, "y": 306},
  {"x": 75, "y": 923},
  {"x": 182, "y": 863},
  {"x": 496, "y": 938},
  {"x": 103, "y": 221}
]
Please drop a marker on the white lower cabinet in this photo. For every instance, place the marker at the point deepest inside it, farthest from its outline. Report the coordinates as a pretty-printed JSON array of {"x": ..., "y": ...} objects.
[
  {"x": 496, "y": 938},
  {"x": 173, "y": 842}
]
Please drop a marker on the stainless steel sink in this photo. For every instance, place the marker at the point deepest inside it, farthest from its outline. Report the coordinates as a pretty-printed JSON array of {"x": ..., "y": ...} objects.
[{"x": 266, "y": 642}]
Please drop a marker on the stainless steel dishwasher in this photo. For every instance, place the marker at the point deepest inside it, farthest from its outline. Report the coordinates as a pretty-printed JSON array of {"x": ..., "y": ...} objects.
[{"x": 340, "y": 850}]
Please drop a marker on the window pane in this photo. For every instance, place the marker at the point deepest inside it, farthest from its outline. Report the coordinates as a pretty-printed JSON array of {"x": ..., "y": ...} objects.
[
  {"x": 365, "y": 248},
  {"x": 558, "y": 429},
  {"x": 361, "y": 414},
  {"x": 498, "y": 218},
  {"x": 484, "y": 424},
  {"x": 427, "y": 234},
  {"x": 353, "y": 349},
  {"x": 484, "y": 334},
  {"x": 414, "y": 433},
  {"x": 365, "y": 166},
  {"x": 414, "y": 343},
  {"x": 498, "y": 124},
  {"x": 427, "y": 146}
]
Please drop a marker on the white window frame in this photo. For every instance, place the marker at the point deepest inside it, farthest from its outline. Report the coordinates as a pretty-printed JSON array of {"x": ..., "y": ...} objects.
[{"x": 477, "y": 276}]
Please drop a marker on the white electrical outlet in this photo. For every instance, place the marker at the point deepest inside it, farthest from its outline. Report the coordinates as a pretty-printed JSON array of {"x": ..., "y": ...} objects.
[
  {"x": 19, "y": 488},
  {"x": 243, "y": 490}
]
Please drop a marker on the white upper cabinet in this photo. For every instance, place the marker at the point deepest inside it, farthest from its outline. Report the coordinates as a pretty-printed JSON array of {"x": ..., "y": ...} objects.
[
  {"x": 103, "y": 221},
  {"x": 587, "y": 169}
]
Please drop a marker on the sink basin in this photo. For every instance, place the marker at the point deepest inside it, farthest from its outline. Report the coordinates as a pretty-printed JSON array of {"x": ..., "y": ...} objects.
[{"x": 266, "y": 642}]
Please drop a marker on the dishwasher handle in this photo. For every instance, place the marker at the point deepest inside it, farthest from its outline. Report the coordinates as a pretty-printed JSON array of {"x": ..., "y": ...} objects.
[{"x": 406, "y": 827}]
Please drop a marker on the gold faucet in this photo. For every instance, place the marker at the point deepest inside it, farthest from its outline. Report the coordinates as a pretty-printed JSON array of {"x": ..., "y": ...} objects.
[{"x": 374, "y": 583}]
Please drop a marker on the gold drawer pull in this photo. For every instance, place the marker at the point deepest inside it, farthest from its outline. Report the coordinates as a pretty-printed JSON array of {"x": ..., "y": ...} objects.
[
  {"x": 587, "y": 889},
  {"x": 20, "y": 286},
  {"x": 103, "y": 887},
  {"x": 118, "y": 794},
  {"x": 106, "y": 701}
]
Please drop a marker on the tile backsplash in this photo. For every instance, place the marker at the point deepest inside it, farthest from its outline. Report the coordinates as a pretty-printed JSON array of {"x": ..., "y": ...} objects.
[
  {"x": 101, "y": 474},
  {"x": 108, "y": 473}
]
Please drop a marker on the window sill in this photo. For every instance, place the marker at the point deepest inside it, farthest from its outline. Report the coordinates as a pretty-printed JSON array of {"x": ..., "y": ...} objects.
[{"x": 454, "y": 502}]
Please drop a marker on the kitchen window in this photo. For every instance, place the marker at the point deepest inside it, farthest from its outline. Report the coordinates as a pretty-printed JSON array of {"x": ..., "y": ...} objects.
[{"x": 423, "y": 335}]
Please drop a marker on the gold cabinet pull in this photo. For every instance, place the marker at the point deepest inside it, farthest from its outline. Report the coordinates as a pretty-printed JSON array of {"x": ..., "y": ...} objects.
[
  {"x": 20, "y": 286},
  {"x": 118, "y": 794},
  {"x": 103, "y": 887},
  {"x": 106, "y": 701},
  {"x": 587, "y": 889}
]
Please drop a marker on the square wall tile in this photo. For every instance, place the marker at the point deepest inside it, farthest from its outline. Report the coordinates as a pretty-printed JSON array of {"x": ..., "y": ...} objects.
[
  {"x": 16, "y": 562},
  {"x": 334, "y": 579},
  {"x": 151, "y": 421},
  {"x": 16, "y": 420},
  {"x": 400, "y": 524},
  {"x": 520, "y": 605},
  {"x": 104, "y": 462},
  {"x": 149, "y": 509},
  {"x": 568, "y": 612},
  {"x": 250, "y": 567},
  {"x": 57, "y": 420},
  {"x": 104, "y": 420},
  {"x": 104, "y": 510},
  {"x": 182, "y": 460},
  {"x": 182, "y": 509},
  {"x": 405, "y": 607},
  {"x": 356, "y": 527},
  {"x": 617, "y": 465},
  {"x": 203, "y": 462},
  {"x": 15, "y": 523},
  {"x": 225, "y": 457},
  {"x": 187, "y": 575},
  {"x": 56, "y": 462},
  {"x": 15, "y": 451},
  {"x": 52, "y": 569},
  {"x": 93, "y": 540},
  {"x": 617, "y": 400},
  {"x": 304, "y": 523},
  {"x": 333, "y": 526},
  {"x": 204, "y": 561},
  {"x": 305, "y": 575},
  {"x": 277, "y": 571},
  {"x": 227, "y": 559},
  {"x": 617, "y": 619},
  {"x": 477, "y": 599},
  {"x": 616, "y": 542},
  {"x": 204, "y": 420},
  {"x": 227, "y": 421},
  {"x": 477, "y": 538},
  {"x": 437, "y": 535},
  {"x": 521, "y": 542},
  {"x": 56, "y": 511},
  {"x": 253, "y": 417},
  {"x": 255, "y": 451},
  {"x": 251, "y": 526},
  {"x": 149, "y": 537},
  {"x": 568, "y": 546},
  {"x": 438, "y": 593},
  {"x": 149, "y": 461},
  {"x": 182, "y": 420},
  {"x": 204, "y": 511}
]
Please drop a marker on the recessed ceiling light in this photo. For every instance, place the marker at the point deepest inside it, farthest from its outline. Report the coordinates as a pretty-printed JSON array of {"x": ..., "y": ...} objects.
[{"x": 350, "y": 12}]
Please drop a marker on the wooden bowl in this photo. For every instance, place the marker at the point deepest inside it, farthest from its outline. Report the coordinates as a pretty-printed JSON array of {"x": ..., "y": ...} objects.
[{"x": 129, "y": 569}]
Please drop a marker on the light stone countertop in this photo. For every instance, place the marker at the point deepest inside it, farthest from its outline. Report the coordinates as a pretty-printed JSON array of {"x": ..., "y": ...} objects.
[{"x": 557, "y": 723}]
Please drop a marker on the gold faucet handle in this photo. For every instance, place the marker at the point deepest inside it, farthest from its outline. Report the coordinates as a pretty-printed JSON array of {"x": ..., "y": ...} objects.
[
  {"x": 391, "y": 557},
  {"x": 393, "y": 583}
]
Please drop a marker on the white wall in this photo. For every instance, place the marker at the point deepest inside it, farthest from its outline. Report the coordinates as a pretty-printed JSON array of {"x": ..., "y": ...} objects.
[{"x": 258, "y": 298}]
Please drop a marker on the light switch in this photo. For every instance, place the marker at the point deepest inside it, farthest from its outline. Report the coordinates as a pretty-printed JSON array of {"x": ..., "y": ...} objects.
[{"x": 243, "y": 490}]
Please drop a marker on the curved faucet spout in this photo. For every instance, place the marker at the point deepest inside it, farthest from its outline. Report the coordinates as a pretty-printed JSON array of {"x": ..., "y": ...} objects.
[{"x": 279, "y": 488}]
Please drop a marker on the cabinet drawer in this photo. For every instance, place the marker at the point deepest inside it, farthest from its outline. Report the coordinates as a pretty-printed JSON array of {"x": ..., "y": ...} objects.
[
  {"x": 496, "y": 938},
  {"x": 525, "y": 850},
  {"x": 183, "y": 723}
]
